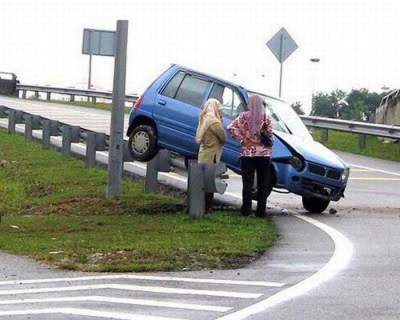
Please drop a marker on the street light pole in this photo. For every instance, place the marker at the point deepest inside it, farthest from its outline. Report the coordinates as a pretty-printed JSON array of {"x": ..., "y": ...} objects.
[{"x": 313, "y": 61}]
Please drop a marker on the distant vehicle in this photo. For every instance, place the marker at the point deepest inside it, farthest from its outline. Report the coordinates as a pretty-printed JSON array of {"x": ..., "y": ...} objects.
[{"x": 166, "y": 116}]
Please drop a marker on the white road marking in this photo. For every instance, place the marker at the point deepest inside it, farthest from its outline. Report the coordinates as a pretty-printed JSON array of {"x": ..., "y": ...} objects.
[
  {"x": 143, "y": 277},
  {"x": 338, "y": 262},
  {"x": 377, "y": 170},
  {"x": 375, "y": 179},
  {"x": 85, "y": 313},
  {"x": 143, "y": 302},
  {"x": 213, "y": 293}
]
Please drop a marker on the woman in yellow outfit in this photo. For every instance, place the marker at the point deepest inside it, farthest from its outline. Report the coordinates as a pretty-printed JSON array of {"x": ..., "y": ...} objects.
[{"x": 211, "y": 137}]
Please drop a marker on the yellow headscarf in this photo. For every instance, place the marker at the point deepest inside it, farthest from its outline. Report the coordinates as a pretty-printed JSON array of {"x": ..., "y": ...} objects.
[{"x": 208, "y": 116}]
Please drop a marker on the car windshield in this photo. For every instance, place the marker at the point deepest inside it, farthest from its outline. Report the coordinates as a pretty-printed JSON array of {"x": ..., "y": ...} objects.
[{"x": 284, "y": 118}]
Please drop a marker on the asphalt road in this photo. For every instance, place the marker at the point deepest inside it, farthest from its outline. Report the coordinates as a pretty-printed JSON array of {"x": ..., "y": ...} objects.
[{"x": 334, "y": 266}]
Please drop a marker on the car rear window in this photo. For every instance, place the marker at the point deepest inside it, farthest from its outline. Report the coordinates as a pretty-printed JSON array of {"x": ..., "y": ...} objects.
[
  {"x": 193, "y": 90},
  {"x": 172, "y": 86}
]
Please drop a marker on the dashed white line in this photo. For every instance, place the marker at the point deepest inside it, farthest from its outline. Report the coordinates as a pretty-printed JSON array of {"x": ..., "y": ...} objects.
[
  {"x": 85, "y": 313},
  {"x": 144, "y": 277},
  {"x": 213, "y": 293},
  {"x": 143, "y": 302}
]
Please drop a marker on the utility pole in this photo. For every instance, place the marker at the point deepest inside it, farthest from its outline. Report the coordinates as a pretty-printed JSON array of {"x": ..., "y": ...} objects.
[{"x": 115, "y": 155}]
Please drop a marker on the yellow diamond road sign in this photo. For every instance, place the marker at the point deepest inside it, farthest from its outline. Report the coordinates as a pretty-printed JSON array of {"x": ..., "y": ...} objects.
[{"x": 282, "y": 45}]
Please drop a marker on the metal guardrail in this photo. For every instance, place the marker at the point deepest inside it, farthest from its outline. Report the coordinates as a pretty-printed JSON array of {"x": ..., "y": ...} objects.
[
  {"x": 71, "y": 92},
  {"x": 208, "y": 178},
  {"x": 362, "y": 128}
]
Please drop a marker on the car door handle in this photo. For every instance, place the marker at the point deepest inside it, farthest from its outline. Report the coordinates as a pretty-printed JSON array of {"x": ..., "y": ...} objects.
[{"x": 162, "y": 102}]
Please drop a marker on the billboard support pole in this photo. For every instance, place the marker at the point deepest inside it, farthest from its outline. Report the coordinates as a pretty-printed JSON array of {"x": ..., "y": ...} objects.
[
  {"x": 89, "y": 86},
  {"x": 115, "y": 153}
]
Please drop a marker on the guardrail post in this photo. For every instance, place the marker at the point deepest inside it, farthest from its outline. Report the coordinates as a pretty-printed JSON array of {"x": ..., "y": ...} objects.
[
  {"x": 14, "y": 117},
  {"x": 324, "y": 135},
  {"x": 160, "y": 163},
  {"x": 70, "y": 134},
  {"x": 48, "y": 96},
  {"x": 23, "y": 94},
  {"x": 50, "y": 128},
  {"x": 66, "y": 140},
  {"x": 127, "y": 156},
  {"x": 362, "y": 141},
  {"x": 94, "y": 142},
  {"x": 32, "y": 122},
  {"x": 71, "y": 98},
  {"x": 196, "y": 194},
  {"x": 204, "y": 178},
  {"x": 11, "y": 121},
  {"x": 28, "y": 127},
  {"x": 94, "y": 100},
  {"x": 36, "y": 94}
]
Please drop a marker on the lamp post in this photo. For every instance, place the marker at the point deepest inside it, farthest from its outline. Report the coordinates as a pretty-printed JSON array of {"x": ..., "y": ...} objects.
[{"x": 313, "y": 61}]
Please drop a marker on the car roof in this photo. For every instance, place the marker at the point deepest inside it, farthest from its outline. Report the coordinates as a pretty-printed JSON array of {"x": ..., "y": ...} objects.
[{"x": 177, "y": 66}]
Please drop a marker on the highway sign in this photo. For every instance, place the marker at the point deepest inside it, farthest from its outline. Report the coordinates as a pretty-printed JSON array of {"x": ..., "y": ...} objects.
[
  {"x": 98, "y": 42},
  {"x": 282, "y": 45}
]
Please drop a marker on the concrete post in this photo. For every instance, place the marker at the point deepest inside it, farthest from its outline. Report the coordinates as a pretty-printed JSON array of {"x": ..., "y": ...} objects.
[
  {"x": 94, "y": 100},
  {"x": 66, "y": 140},
  {"x": 48, "y": 96},
  {"x": 72, "y": 98}
]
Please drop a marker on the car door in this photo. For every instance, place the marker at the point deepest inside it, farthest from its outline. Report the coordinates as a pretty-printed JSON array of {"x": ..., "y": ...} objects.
[
  {"x": 232, "y": 105},
  {"x": 178, "y": 106}
]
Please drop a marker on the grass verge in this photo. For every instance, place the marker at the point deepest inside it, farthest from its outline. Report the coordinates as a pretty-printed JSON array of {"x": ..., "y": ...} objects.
[
  {"x": 54, "y": 210},
  {"x": 346, "y": 141}
]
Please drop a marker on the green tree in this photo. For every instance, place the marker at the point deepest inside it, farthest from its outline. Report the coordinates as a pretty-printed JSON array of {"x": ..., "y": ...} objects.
[{"x": 327, "y": 105}]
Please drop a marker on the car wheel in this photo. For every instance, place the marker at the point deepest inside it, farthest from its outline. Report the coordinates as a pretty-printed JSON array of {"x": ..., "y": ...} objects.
[
  {"x": 143, "y": 143},
  {"x": 315, "y": 205}
]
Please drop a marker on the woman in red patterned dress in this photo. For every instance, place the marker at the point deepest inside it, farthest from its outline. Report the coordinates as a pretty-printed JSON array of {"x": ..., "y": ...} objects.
[{"x": 256, "y": 157}]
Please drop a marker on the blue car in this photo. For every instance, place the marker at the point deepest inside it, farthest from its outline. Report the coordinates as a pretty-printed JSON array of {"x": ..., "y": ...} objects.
[{"x": 166, "y": 116}]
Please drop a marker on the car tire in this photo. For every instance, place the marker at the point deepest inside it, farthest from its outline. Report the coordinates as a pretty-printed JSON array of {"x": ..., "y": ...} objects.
[
  {"x": 315, "y": 205},
  {"x": 143, "y": 143}
]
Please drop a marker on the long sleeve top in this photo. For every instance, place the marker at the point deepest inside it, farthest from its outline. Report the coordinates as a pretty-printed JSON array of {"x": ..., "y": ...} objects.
[{"x": 251, "y": 144}]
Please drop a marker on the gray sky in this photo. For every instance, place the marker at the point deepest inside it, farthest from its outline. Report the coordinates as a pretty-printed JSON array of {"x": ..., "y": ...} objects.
[{"x": 357, "y": 42}]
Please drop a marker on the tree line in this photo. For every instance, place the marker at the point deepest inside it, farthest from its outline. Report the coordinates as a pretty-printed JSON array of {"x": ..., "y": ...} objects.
[{"x": 358, "y": 104}]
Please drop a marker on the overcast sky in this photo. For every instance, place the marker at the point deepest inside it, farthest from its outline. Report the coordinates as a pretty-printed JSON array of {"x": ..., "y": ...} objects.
[{"x": 357, "y": 42}]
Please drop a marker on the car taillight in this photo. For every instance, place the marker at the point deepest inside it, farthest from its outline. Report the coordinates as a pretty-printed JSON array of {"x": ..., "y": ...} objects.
[{"x": 138, "y": 102}]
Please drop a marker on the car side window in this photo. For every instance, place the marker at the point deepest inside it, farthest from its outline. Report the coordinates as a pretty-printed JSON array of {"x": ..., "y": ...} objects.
[
  {"x": 193, "y": 90},
  {"x": 231, "y": 102},
  {"x": 172, "y": 86}
]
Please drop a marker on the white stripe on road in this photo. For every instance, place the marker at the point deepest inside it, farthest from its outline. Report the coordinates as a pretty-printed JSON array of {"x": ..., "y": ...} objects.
[
  {"x": 143, "y": 277},
  {"x": 214, "y": 293},
  {"x": 339, "y": 261},
  {"x": 143, "y": 302},
  {"x": 374, "y": 169},
  {"x": 84, "y": 313}
]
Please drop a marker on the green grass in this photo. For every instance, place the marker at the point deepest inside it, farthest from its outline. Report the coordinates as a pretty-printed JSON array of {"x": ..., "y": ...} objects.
[
  {"x": 86, "y": 104},
  {"x": 349, "y": 142},
  {"x": 54, "y": 210}
]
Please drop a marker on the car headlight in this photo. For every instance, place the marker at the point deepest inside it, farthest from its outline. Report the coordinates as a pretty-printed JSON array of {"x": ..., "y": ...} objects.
[
  {"x": 297, "y": 163},
  {"x": 345, "y": 174}
]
